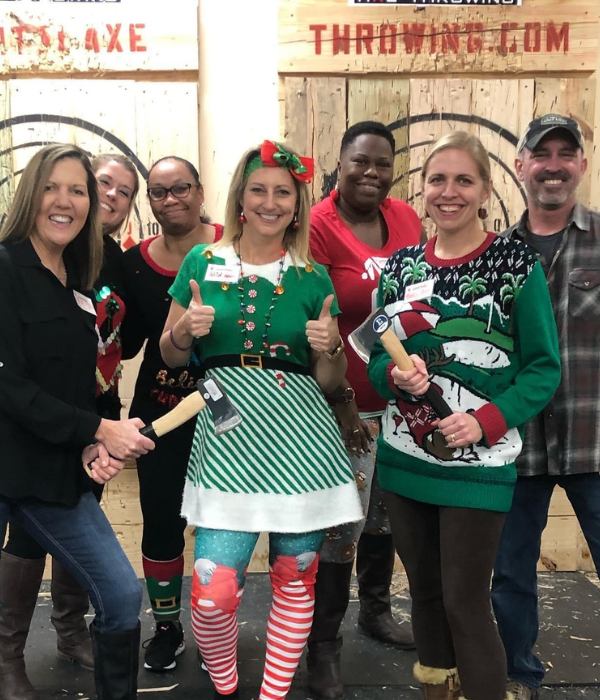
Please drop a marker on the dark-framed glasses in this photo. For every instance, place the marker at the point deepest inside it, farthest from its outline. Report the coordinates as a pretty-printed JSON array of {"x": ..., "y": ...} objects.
[{"x": 180, "y": 190}]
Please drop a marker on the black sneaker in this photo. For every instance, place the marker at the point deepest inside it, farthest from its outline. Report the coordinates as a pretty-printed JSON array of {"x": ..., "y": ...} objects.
[{"x": 162, "y": 649}]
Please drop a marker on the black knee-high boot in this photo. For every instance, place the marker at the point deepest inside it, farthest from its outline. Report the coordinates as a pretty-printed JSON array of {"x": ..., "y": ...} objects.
[
  {"x": 374, "y": 568},
  {"x": 116, "y": 661},
  {"x": 332, "y": 595}
]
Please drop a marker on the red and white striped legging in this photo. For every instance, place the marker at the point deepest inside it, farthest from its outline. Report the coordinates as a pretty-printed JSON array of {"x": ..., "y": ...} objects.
[{"x": 215, "y": 598}]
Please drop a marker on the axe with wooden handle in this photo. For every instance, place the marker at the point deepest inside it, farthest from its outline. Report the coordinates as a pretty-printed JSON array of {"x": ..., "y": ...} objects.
[
  {"x": 210, "y": 393},
  {"x": 378, "y": 327}
]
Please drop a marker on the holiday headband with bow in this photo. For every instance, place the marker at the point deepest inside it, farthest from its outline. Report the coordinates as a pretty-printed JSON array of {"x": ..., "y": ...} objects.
[{"x": 274, "y": 155}]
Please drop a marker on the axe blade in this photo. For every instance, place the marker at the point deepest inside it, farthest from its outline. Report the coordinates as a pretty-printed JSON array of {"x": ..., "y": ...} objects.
[
  {"x": 368, "y": 333},
  {"x": 224, "y": 413}
]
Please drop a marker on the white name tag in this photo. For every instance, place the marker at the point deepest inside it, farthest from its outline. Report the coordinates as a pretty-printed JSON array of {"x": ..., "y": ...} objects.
[
  {"x": 222, "y": 273},
  {"x": 420, "y": 290},
  {"x": 84, "y": 303}
]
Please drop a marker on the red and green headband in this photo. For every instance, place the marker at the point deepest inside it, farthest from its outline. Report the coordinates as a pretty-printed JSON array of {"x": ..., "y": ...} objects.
[{"x": 274, "y": 155}]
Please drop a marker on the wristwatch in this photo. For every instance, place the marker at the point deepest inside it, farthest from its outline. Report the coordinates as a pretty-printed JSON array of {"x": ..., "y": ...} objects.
[
  {"x": 345, "y": 396},
  {"x": 337, "y": 352}
]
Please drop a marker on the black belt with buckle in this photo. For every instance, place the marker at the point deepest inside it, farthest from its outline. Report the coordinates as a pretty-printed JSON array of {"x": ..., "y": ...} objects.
[{"x": 254, "y": 362}]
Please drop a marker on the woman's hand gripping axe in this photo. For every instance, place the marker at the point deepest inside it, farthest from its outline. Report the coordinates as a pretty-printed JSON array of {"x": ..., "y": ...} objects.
[
  {"x": 378, "y": 327},
  {"x": 210, "y": 393}
]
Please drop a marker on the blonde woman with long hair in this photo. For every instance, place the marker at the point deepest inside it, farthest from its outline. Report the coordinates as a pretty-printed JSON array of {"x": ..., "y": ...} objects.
[{"x": 262, "y": 316}]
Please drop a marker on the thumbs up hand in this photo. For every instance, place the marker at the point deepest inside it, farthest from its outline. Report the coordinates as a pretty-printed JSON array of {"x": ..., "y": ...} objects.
[
  {"x": 323, "y": 334},
  {"x": 198, "y": 318}
]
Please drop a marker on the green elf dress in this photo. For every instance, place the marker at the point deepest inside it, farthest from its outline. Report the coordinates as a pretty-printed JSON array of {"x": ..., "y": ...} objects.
[{"x": 285, "y": 467}]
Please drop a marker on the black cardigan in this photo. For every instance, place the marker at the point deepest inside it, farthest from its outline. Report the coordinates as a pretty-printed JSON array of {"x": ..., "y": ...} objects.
[{"x": 48, "y": 350}]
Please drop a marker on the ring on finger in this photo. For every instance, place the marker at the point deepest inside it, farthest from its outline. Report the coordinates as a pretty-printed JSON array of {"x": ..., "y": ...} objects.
[{"x": 452, "y": 437}]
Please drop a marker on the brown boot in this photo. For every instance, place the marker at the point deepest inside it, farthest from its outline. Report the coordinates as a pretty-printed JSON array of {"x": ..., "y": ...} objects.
[
  {"x": 70, "y": 603},
  {"x": 374, "y": 568},
  {"x": 438, "y": 683},
  {"x": 332, "y": 595},
  {"x": 20, "y": 581}
]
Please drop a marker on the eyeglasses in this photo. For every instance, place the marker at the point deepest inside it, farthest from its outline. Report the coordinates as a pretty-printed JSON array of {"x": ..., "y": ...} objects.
[{"x": 181, "y": 190}]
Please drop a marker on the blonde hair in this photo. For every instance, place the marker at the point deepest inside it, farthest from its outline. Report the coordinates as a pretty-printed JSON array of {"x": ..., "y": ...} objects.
[
  {"x": 83, "y": 255},
  {"x": 295, "y": 241},
  {"x": 462, "y": 141},
  {"x": 103, "y": 159}
]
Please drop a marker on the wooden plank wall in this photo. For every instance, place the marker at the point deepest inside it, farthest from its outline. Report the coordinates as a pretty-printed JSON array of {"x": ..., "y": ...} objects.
[
  {"x": 145, "y": 120},
  {"x": 317, "y": 110}
]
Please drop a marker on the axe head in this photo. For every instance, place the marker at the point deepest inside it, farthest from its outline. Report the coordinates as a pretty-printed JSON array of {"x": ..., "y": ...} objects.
[
  {"x": 367, "y": 334},
  {"x": 224, "y": 413}
]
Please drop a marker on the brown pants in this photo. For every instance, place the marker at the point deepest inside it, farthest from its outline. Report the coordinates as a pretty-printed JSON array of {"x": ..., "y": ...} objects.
[{"x": 449, "y": 554}]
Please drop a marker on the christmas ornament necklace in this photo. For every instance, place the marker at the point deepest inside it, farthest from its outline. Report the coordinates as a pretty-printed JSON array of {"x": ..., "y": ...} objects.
[{"x": 248, "y": 308}]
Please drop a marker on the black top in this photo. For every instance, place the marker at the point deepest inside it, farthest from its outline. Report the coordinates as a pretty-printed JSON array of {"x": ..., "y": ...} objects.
[
  {"x": 47, "y": 383},
  {"x": 158, "y": 388},
  {"x": 545, "y": 245}
]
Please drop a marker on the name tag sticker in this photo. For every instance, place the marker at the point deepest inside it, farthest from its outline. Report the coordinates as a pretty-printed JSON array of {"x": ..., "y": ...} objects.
[
  {"x": 222, "y": 273},
  {"x": 84, "y": 302},
  {"x": 420, "y": 290}
]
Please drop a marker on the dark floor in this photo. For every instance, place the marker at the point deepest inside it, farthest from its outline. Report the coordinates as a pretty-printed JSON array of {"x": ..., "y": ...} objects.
[{"x": 569, "y": 645}]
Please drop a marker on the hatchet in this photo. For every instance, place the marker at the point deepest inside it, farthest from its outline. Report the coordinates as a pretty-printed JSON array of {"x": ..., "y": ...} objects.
[
  {"x": 378, "y": 327},
  {"x": 210, "y": 393}
]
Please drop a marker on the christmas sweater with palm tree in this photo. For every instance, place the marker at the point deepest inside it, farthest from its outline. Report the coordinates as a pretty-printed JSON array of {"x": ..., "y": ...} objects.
[{"x": 486, "y": 331}]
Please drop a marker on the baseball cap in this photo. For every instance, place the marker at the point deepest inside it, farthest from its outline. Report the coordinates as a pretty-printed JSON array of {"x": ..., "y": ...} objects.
[{"x": 540, "y": 127}]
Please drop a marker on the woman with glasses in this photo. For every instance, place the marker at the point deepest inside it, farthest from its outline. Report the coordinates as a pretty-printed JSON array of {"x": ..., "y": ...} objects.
[
  {"x": 177, "y": 200},
  {"x": 23, "y": 559}
]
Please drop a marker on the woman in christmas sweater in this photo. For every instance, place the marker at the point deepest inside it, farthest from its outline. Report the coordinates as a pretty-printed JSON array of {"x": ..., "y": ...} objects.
[
  {"x": 23, "y": 559},
  {"x": 264, "y": 317},
  {"x": 474, "y": 310}
]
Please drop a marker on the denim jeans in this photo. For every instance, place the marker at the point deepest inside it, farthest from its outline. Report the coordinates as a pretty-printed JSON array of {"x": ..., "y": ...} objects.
[
  {"x": 514, "y": 585},
  {"x": 82, "y": 539}
]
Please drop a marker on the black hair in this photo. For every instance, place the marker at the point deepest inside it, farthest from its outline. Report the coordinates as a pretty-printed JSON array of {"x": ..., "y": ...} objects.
[
  {"x": 188, "y": 165},
  {"x": 367, "y": 127},
  {"x": 193, "y": 172}
]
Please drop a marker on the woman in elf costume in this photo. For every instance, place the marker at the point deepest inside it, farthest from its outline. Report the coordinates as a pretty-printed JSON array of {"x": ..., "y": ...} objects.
[
  {"x": 474, "y": 310},
  {"x": 261, "y": 315}
]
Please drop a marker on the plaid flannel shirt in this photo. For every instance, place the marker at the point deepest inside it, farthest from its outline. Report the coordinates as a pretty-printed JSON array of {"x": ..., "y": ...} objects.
[{"x": 565, "y": 438}]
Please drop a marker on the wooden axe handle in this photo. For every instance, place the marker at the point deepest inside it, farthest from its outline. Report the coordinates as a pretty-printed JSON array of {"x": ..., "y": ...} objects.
[
  {"x": 396, "y": 351},
  {"x": 186, "y": 409}
]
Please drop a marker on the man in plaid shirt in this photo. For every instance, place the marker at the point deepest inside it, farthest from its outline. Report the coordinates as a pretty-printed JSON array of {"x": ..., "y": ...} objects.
[{"x": 562, "y": 444}]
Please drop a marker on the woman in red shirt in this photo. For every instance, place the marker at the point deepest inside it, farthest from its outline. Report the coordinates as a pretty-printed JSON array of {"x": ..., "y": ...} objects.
[{"x": 353, "y": 232}]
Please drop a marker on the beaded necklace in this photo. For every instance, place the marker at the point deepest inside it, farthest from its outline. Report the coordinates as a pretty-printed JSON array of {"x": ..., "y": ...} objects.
[{"x": 248, "y": 308}]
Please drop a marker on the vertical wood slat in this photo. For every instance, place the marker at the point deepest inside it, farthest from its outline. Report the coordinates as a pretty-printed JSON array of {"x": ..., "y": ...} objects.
[
  {"x": 385, "y": 101},
  {"x": 296, "y": 121},
  {"x": 327, "y": 113},
  {"x": 315, "y": 121}
]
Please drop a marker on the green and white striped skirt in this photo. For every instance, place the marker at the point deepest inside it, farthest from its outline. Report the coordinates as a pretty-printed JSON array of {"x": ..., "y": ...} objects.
[{"x": 283, "y": 469}]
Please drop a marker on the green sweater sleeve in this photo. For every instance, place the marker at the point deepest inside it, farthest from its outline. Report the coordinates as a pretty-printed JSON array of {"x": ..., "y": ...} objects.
[
  {"x": 180, "y": 289},
  {"x": 536, "y": 347}
]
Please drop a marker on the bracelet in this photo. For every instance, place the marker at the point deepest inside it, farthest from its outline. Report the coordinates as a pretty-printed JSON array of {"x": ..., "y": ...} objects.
[
  {"x": 179, "y": 347},
  {"x": 339, "y": 349}
]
